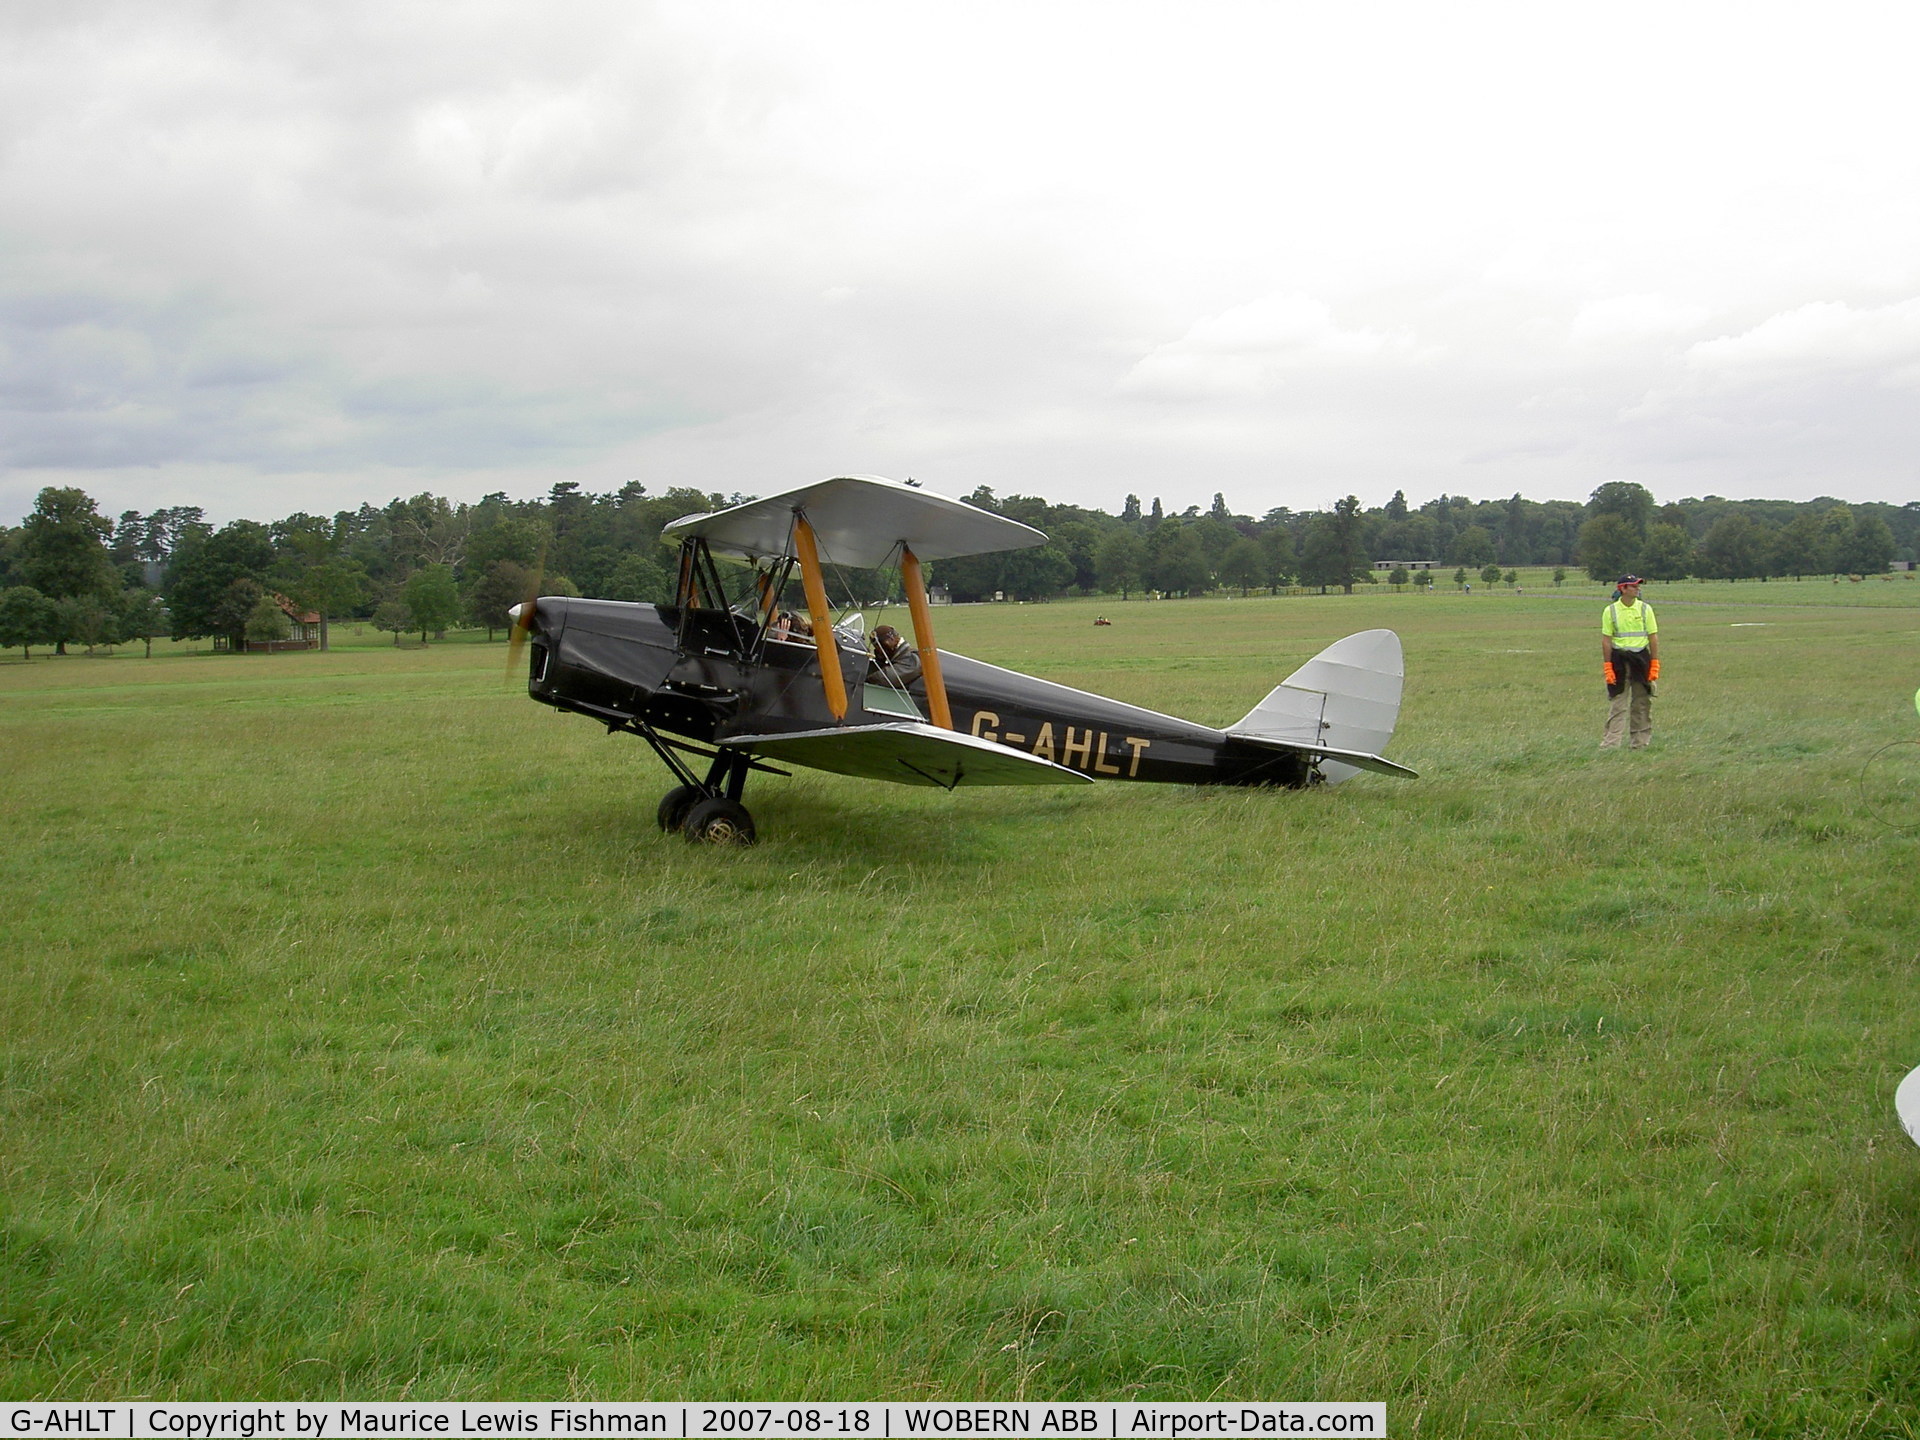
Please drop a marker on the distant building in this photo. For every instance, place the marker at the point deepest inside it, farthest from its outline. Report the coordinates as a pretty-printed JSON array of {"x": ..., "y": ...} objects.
[
  {"x": 306, "y": 629},
  {"x": 1406, "y": 564}
]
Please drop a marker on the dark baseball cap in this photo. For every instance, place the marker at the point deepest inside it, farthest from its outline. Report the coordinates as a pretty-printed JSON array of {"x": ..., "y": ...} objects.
[{"x": 1628, "y": 580}]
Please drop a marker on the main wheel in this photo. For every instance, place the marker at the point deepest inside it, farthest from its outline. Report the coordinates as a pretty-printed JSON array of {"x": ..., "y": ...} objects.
[
  {"x": 718, "y": 821},
  {"x": 674, "y": 806}
]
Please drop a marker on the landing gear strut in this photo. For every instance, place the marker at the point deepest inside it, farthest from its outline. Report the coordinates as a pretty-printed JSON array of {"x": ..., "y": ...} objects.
[{"x": 709, "y": 812}]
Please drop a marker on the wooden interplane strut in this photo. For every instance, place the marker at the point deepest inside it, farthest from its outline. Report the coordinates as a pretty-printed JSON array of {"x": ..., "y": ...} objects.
[
  {"x": 923, "y": 644},
  {"x": 808, "y": 553}
]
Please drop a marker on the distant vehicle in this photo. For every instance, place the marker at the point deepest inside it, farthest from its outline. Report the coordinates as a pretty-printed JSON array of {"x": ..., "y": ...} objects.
[{"x": 726, "y": 677}]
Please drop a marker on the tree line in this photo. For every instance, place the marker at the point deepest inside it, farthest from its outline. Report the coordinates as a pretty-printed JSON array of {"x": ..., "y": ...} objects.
[{"x": 69, "y": 575}]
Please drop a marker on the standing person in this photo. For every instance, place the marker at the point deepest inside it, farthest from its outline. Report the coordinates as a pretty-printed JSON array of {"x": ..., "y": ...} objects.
[{"x": 1630, "y": 652}]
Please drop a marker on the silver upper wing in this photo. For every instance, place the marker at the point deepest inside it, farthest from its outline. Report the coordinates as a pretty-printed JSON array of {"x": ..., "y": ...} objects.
[{"x": 858, "y": 520}]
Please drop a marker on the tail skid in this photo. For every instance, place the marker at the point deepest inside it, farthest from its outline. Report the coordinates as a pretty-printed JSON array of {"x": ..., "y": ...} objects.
[{"x": 1341, "y": 705}]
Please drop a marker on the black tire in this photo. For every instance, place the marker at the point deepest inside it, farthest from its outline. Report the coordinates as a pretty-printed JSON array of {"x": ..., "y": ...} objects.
[
  {"x": 718, "y": 821},
  {"x": 674, "y": 806}
]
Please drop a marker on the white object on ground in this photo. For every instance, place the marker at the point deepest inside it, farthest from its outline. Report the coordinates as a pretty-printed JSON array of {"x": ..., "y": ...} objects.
[{"x": 1907, "y": 1101}]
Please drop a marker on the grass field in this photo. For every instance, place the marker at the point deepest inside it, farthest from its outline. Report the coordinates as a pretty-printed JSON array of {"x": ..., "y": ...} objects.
[{"x": 363, "y": 1038}]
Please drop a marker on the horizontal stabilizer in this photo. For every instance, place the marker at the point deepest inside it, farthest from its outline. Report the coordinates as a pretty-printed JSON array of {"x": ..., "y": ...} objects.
[
  {"x": 910, "y": 754},
  {"x": 1359, "y": 759},
  {"x": 1342, "y": 704}
]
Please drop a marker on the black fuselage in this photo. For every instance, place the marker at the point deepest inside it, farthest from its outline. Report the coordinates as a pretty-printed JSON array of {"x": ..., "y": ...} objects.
[{"x": 711, "y": 675}]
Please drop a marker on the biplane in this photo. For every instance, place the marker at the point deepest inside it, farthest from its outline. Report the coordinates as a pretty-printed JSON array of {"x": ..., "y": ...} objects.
[{"x": 725, "y": 681}]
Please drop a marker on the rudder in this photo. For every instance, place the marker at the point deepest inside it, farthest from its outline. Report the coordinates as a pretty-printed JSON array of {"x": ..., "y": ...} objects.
[{"x": 1347, "y": 698}]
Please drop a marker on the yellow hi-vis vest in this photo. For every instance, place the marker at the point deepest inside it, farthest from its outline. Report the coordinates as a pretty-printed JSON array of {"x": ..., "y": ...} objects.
[{"x": 1630, "y": 626}]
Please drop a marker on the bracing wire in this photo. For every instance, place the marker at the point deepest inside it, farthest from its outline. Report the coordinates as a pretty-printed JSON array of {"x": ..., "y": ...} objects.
[{"x": 891, "y": 560}]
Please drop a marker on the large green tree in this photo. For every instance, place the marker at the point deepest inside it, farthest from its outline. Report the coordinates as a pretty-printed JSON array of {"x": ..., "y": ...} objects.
[
  {"x": 1410, "y": 537},
  {"x": 1036, "y": 573},
  {"x": 203, "y": 570},
  {"x": 1120, "y": 562},
  {"x": 1608, "y": 547},
  {"x": 63, "y": 546},
  {"x": 1281, "y": 562},
  {"x": 1177, "y": 563},
  {"x": 1801, "y": 548},
  {"x": 1334, "y": 552},
  {"x": 1349, "y": 528},
  {"x": 523, "y": 539},
  {"x": 1471, "y": 546},
  {"x": 1618, "y": 516},
  {"x": 27, "y": 619},
  {"x": 504, "y": 586},
  {"x": 393, "y": 615},
  {"x": 89, "y": 620},
  {"x": 143, "y": 615},
  {"x": 643, "y": 575},
  {"x": 235, "y": 608},
  {"x": 336, "y": 588},
  {"x": 1244, "y": 565},
  {"x": 1667, "y": 555},
  {"x": 433, "y": 599},
  {"x": 63, "y": 554},
  {"x": 1632, "y": 503},
  {"x": 1869, "y": 549},
  {"x": 1836, "y": 530},
  {"x": 267, "y": 622},
  {"x": 1736, "y": 548},
  {"x": 303, "y": 541}
]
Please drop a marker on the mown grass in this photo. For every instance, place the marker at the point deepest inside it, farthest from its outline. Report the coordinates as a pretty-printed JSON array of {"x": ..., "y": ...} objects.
[{"x": 363, "y": 1038}]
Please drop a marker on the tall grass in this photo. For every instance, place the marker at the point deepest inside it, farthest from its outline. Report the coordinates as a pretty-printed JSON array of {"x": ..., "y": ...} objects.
[{"x": 363, "y": 1038}]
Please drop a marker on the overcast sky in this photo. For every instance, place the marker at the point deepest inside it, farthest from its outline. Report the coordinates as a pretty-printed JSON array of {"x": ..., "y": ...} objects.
[{"x": 264, "y": 258}]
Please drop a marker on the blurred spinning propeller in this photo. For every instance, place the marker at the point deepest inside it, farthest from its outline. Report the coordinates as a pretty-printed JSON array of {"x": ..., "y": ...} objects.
[{"x": 524, "y": 614}]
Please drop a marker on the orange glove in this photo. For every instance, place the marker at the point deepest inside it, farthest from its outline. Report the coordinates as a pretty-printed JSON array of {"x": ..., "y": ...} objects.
[
  {"x": 1607, "y": 670},
  {"x": 1653, "y": 670}
]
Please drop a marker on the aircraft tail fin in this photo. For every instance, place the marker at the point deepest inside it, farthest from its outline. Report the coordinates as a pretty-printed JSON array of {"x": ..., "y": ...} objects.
[{"x": 1344, "y": 701}]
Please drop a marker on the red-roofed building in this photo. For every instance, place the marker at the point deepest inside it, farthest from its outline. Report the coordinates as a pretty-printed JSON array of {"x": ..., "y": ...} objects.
[{"x": 306, "y": 629}]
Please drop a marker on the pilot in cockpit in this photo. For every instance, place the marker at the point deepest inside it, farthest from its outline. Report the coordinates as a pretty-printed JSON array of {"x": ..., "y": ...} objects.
[{"x": 893, "y": 658}]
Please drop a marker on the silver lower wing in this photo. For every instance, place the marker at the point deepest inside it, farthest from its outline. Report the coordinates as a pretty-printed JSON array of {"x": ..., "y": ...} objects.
[{"x": 909, "y": 753}]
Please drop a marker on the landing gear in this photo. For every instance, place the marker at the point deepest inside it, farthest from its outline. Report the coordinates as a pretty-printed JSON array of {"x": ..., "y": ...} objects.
[
  {"x": 675, "y": 804},
  {"x": 710, "y": 813},
  {"x": 718, "y": 821}
]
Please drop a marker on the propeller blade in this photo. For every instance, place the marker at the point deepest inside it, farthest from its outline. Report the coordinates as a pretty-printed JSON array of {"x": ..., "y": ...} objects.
[{"x": 525, "y": 613}]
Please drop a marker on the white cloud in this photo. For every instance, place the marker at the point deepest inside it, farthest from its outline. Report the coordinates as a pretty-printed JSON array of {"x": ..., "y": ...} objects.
[
  {"x": 1821, "y": 338},
  {"x": 1824, "y": 391},
  {"x": 749, "y": 241},
  {"x": 1628, "y": 318},
  {"x": 1250, "y": 350}
]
